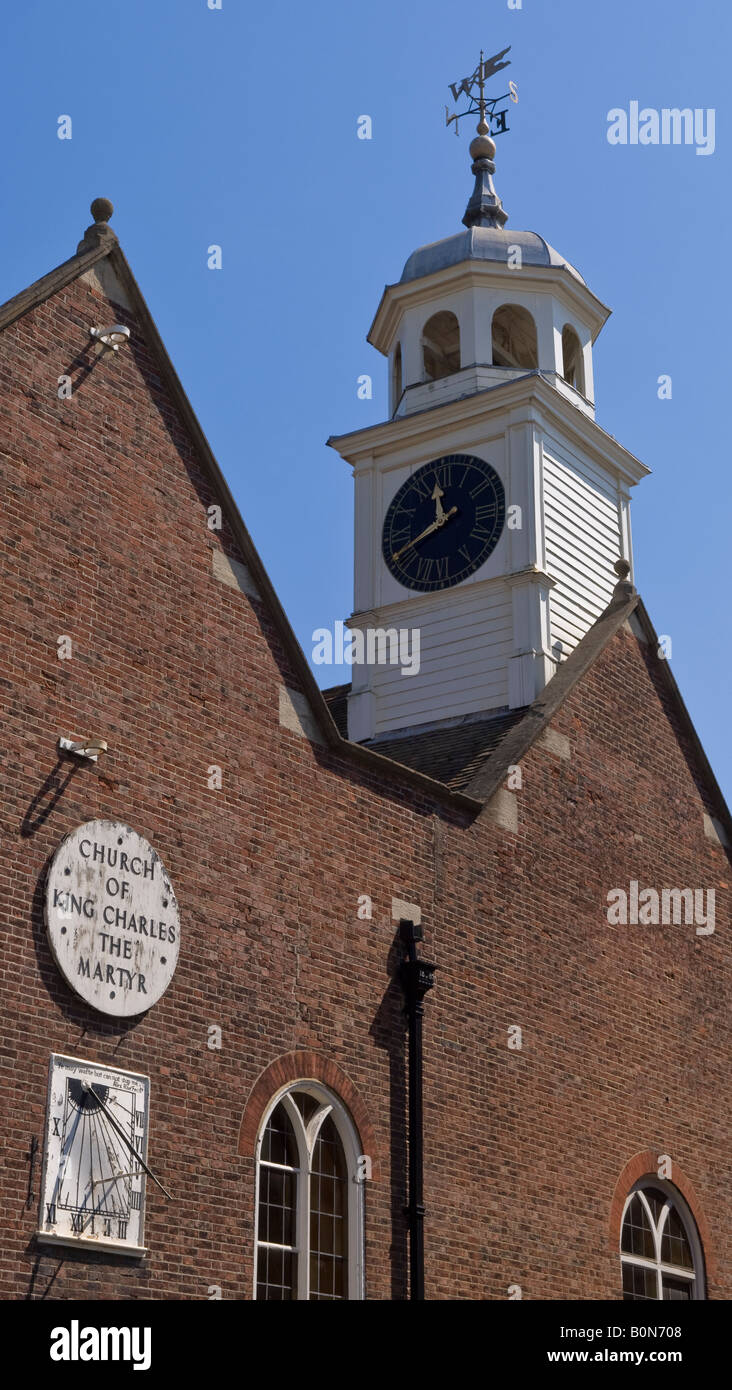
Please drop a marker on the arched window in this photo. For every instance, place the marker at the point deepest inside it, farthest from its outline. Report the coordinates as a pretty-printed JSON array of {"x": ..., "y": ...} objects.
[
  {"x": 514, "y": 337},
  {"x": 397, "y": 370},
  {"x": 441, "y": 346},
  {"x": 309, "y": 1200},
  {"x": 573, "y": 369},
  {"x": 660, "y": 1250}
]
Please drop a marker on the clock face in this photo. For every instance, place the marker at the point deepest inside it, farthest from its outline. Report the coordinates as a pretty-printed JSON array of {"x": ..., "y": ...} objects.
[
  {"x": 444, "y": 522},
  {"x": 93, "y": 1187}
]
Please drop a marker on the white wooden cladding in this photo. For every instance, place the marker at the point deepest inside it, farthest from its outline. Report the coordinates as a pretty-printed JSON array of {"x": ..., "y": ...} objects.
[
  {"x": 582, "y": 537},
  {"x": 466, "y": 641}
]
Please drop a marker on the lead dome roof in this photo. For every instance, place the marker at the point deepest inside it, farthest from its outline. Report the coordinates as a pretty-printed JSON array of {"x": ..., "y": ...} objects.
[{"x": 483, "y": 244}]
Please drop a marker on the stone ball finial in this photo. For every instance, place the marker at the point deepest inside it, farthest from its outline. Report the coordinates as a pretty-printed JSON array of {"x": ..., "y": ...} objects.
[
  {"x": 101, "y": 209},
  {"x": 624, "y": 589}
]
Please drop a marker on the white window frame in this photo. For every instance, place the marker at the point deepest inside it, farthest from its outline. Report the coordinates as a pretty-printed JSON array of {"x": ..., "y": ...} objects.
[
  {"x": 305, "y": 1137},
  {"x": 693, "y": 1277}
]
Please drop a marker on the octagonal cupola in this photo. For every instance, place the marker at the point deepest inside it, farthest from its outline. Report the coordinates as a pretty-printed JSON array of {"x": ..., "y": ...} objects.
[{"x": 485, "y": 306}]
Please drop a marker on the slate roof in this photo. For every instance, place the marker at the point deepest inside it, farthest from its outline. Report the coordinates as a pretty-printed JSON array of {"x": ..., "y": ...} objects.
[
  {"x": 452, "y": 753},
  {"x": 336, "y": 698}
]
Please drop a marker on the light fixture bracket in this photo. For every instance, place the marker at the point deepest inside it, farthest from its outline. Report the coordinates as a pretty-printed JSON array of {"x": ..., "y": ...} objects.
[
  {"x": 83, "y": 748},
  {"x": 112, "y": 337}
]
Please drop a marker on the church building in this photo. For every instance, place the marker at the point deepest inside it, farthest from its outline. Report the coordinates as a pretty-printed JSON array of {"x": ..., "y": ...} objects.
[{"x": 412, "y": 988}]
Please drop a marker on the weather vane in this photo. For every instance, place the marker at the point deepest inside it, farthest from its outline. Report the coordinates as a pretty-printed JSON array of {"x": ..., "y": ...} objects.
[{"x": 478, "y": 103}]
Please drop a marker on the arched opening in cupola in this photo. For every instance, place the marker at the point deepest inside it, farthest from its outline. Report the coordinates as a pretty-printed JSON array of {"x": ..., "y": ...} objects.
[
  {"x": 441, "y": 346},
  {"x": 573, "y": 369},
  {"x": 397, "y": 375},
  {"x": 513, "y": 334}
]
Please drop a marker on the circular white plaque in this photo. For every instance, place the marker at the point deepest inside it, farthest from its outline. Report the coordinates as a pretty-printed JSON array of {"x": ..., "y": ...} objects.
[{"x": 112, "y": 918}]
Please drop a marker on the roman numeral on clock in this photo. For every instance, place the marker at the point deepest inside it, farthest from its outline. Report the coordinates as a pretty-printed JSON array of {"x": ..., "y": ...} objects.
[
  {"x": 135, "y": 1200},
  {"x": 486, "y": 510},
  {"x": 56, "y": 1131},
  {"x": 51, "y": 1213},
  {"x": 122, "y": 1230},
  {"x": 428, "y": 571},
  {"x": 423, "y": 488},
  {"x": 77, "y": 1222}
]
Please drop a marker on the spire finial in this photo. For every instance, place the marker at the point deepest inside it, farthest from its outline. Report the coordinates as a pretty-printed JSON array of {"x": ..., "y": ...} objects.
[{"x": 485, "y": 208}]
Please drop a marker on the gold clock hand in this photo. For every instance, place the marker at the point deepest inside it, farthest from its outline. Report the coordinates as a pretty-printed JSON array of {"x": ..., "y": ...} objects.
[
  {"x": 437, "y": 494},
  {"x": 436, "y": 525},
  {"x": 123, "y": 1137}
]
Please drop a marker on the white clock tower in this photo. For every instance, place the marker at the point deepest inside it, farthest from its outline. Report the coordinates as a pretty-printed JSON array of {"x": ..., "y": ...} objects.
[{"x": 489, "y": 337}]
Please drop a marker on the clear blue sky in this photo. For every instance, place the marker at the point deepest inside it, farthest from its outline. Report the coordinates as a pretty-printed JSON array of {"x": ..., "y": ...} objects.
[{"x": 238, "y": 127}]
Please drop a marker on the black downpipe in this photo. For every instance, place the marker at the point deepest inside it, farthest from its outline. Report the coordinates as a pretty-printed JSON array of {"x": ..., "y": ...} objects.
[{"x": 416, "y": 976}]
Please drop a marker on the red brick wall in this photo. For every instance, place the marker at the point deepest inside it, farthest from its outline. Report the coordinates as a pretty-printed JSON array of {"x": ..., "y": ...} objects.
[{"x": 626, "y": 1040}]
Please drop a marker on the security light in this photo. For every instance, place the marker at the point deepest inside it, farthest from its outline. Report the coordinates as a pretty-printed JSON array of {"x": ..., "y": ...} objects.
[
  {"x": 83, "y": 748},
  {"x": 112, "y": 337}
]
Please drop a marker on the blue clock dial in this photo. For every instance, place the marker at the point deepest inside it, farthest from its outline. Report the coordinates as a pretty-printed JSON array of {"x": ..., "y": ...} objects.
[{"x": 444, "y": 522}]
